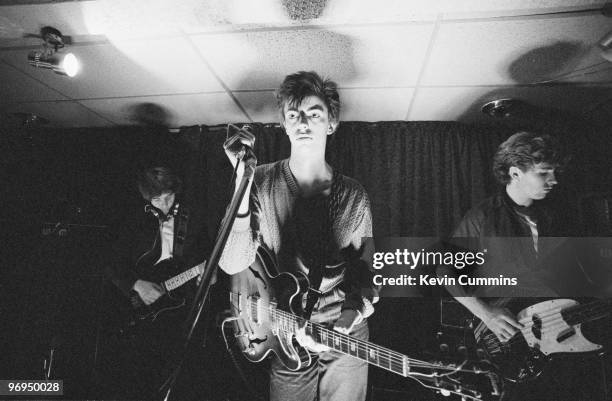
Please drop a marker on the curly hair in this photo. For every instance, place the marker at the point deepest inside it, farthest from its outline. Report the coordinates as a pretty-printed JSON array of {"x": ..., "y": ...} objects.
[
  {"x": 524, "y": 150},
  {"x": 296, "y": 87},
  {"x": 154, "y": 181}
]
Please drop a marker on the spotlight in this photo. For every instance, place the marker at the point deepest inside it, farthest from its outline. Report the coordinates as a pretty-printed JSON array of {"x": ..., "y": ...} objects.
[
  {"x": 50, "y": 57},
  {"x": 63, "y": 64}
]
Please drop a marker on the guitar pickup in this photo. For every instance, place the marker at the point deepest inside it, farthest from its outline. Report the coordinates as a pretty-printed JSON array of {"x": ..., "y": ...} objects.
[{"x": 565, "y": 334}]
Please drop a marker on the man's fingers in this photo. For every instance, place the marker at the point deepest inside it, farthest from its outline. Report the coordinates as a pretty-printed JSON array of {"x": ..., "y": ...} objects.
[
  {"x": 234, "y": 143},
  {"x": 307, "y": 341},
  {"x": 509, "y": 328},
  {"x": 513, "y": 322},
  {"x": 343, "y": 330}
]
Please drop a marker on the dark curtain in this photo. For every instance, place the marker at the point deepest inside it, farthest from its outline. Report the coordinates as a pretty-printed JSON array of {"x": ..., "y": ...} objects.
[{"x": 421, "y": 177}]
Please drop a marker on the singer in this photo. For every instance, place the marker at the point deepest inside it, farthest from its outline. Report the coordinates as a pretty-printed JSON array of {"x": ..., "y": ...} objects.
[{"x": 312, "y": 217}]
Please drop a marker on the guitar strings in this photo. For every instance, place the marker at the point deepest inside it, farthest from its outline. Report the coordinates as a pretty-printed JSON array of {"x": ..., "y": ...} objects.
[
  {"x": 594, "y": 309},
  {"x": 392, "y": 356},
  {"x": 591, "y": 311}
]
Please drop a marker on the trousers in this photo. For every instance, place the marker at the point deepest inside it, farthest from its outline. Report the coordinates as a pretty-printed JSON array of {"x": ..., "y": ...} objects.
[{"x": 331, "y": 376}]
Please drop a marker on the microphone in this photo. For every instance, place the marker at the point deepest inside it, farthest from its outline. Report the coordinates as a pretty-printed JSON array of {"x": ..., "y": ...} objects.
[{"x": 234, "y": 143}]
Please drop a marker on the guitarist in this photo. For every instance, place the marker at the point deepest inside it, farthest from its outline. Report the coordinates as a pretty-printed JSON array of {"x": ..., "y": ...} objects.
[
  {"x": 313, "y": 219},
  {"x": 161, "y": 235},
  {"x": 526, "y": 165}
]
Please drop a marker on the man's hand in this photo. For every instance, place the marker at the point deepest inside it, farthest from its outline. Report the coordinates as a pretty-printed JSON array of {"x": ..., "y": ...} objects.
[
  {"x": 307, "y": 341},
  {"x": 343, "y": 325},
  {"x": 149, "y": 292},
  {"x": 346, "y": 321},
  {"x": 234, "y": 146},
  {"x": 501, "y": 322}
]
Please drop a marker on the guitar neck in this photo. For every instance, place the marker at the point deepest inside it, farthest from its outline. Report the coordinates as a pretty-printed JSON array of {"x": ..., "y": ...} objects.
[
  {"x": 180, "y": 279},
  {"x": 585, "y": 313},
  {"x": 371, "y": 353}
]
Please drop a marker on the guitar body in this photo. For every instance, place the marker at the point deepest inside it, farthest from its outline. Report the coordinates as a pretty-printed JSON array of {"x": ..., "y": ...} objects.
[
  {"x": 267, "y": 314},
  {"x": 257, "y": 336},
  {"x": 170, "y": 300},
  {"x": 549, "y": 328}
]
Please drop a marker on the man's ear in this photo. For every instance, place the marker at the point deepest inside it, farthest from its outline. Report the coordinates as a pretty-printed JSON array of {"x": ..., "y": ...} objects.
[
  {"x": 333, "y": 125},
  {"x": 282, "y": 122},
  {"x": 514, "y": 173}
]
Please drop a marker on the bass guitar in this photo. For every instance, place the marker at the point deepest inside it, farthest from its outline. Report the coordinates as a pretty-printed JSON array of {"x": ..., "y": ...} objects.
[
  {"x": 164, "y": 274},
  {"x": 549, "y": 327},
  {"x": 267, "y": 310}
]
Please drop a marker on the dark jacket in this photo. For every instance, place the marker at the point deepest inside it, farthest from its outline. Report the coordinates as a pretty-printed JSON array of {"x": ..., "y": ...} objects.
[
  {"x": 496, "y": 227},
  {"x": 139, "y": 244}
]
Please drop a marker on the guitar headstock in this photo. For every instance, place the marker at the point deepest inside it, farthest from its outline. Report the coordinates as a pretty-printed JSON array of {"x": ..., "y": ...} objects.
[
  {"x": 472, "y": 380},
  {"x": 475, "y": 388}
]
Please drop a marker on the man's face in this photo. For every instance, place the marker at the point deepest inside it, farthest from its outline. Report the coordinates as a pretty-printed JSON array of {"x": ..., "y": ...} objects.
[
  {"x": 164, "y": 201},
  {"x": 537, "y": 182},
  {"x": 308, "y": 124}
]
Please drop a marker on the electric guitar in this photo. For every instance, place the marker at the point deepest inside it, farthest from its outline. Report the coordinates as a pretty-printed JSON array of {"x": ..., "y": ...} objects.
[
  {"x": 163, "y": 273},
  {"x": 550, "y": 327},
  {"x": 267, "y": 310}
]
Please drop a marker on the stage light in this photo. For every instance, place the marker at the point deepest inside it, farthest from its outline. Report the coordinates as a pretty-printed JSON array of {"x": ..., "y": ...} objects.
[
  {"x": 63, "y": 64},
  {"x": 50, "y": 57}
]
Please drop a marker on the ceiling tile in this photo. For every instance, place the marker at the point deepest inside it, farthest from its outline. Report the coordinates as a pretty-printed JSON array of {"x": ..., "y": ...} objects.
[
  {"x": 60, "y": 114},
  {"x": 357, "y": 57},
  {"x": 387, "y": 104},
  {"x": 18, "y": 86},
  {"x": 443, "y": 104},
  {"x": 488, "y": 8},
  {"x": 510, "y": 51},
  {"x": 18, "y": 20},
  {"x": 135, "y": 68},
  {"x": 214, "y": 108},
  {"x": 261, "y": 106}
]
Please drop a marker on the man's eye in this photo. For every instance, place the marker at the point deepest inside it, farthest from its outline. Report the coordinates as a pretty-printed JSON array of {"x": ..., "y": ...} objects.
[
  {"x": 291, "y": 116},
  {"x": 315, "y": 115}
]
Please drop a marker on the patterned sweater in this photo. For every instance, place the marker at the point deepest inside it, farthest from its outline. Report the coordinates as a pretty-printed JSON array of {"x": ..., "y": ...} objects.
[{"x": 319, "y": 231}]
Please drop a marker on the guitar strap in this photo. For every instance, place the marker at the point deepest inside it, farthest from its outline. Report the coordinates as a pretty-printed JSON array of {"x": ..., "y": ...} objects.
[
  {"x": 181, "y": 219},
  {"x": 315, "y": 276},
  {"x": 330, "y": 205}
]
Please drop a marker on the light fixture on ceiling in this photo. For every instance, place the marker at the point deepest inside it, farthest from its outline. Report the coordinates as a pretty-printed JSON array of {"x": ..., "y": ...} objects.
[
  {"x": 50, "y": 57},
  {"x": 500, "y": 108}
]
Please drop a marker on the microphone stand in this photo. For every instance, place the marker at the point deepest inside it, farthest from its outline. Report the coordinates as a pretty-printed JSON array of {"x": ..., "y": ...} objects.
[{"x": 191, "y": 321}]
